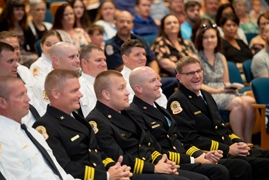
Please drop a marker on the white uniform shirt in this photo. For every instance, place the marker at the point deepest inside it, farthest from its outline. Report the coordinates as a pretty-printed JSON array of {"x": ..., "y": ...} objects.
[
  {"x": 42, "y": 66},
  {"x": 88, "y": 101},
  {"x": 29, "y": 82},
  {"x": 162, "y": 101},
  {"x": 20, "y": 158}
]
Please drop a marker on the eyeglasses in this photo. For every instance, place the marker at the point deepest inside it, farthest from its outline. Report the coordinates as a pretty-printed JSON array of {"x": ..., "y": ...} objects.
[
  {"x": 206, "y": 26},
  {"x": 192, "y": 73}
]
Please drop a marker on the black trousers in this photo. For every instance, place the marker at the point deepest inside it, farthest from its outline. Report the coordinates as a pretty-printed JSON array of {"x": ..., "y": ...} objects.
[
  {"x": 183, "y": 175},
  {"x": 212, "y": 171},
  {"x": 259, "y": 163}
]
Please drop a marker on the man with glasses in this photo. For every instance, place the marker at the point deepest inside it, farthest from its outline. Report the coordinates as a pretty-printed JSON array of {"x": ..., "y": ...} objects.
[
  {"x": 260, "y": 62},
  {"x": 199, "y": 121}
]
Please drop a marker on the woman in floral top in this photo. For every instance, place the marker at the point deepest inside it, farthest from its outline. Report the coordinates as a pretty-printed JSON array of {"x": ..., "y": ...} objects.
[{"x": 169, "y": 46}]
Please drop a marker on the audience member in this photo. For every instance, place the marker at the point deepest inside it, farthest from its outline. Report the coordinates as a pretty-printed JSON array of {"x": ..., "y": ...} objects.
[
  {"x": 37, "y": 26},
  {"x": 224, "y": 10},
  {"x": 199, "y": 121},
  {"x": 248, "y": 24},
  {"x": 11, "y": 67},
  {"x": 92, "y": 8},
  {"x": 258, "y": 42},
  {"x": 81, "y": 157},
  {"x": 119, "y": 134},
  {"x": 93, "y": 61},
  {"x": 169, "y": 47},
  {"x": 256, "y": 9},
  {"x": 211, "y": 9},
  {"x": 106, "y": 18},
  {"x": 125, "y": 5},
  {"x": 144, "y": 25},
  {"x": 158, "y": 122},
  {"x": 43, "y": 65},
  {"x": 158, "y": 10},
  {"x": 233, "y": 49},
  {"x": 81, "y": 16},
  {"x": 96, "y": 33},
  {"x": 197, "y": 27},
  {"x": 216, "y": 77},
  {"x": 177, "y": 9},
  {"x": 124, "y": 25},
  {"x": 134, "y": 55},
  {"x": 260, "y": 62},
  {"x": 14, "y": 18},
  {"x": 63, "y": 56},
  {"x": 192, "y": 11},
  {"x": 24, "y": 152},
  {"x": 64, "y": 22}
]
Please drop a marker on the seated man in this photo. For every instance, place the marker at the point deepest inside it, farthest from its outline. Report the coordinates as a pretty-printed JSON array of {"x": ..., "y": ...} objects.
[
  {"x": 134, "y": 55},
  {"x": 70, "y": 136},
  {"x": 63, "y": 56},
  {"x": 260, "y": 62},
  {"x": 9, "y": 67},
  {"x": 24, "y": 154},
  {"x": 92, "y": 61},
  {"x": 199, "y": 121},
  {"x": 119, "y": 134},
  {"x": 144, "y": 25},
  {"x": 158, "y": 122}
]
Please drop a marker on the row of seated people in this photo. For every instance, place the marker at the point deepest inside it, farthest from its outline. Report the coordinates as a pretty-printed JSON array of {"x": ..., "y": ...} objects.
[{"x": 118, "y": 140}]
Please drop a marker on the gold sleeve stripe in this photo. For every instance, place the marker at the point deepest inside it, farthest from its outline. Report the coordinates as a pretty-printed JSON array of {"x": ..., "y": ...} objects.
[
  {"x": 175, "y": 157},
  {"x": 139, "y": 166},
  {"x": 233, "y": 136},
  {"x": 107, "y": 161},
  {"x": 214, "y": 145},
  {"x": 154, "y": 155},
  {"x": 89, "y": 173},
  {"x": 192, "y": 150}
]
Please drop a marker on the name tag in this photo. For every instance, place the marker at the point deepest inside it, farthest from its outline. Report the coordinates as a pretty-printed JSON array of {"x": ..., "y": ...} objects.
[
  {"x": 123, "y": 135},
  {"x": 24, "y": 146},
  {"x": 197, "y": 112},
  {"x": 157, "y": 125},
  {"x": 75, "y": 138}
]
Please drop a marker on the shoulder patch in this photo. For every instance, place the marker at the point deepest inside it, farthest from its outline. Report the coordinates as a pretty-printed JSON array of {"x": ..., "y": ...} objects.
[
  {"x": 94, "y": 126},
  {"x": 42, "y": 130},
  {"x": 109, "y": 50},
  {"x": 176, "y": 107},
  {"x": 36, "y": 72},
  {"x": 45, "y": 97}
]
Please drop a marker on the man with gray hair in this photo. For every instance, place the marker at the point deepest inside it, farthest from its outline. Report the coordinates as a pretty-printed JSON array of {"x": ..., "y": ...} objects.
[{"x": 63, "y": 56}]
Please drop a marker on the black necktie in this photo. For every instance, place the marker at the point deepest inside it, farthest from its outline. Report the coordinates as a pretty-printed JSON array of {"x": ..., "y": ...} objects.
[
  {"x": 43, "y": 151},
  {"x": 203, "y": 99},
  {"x": 34, "y": 112},
  {"x": 2, "y": 177}
]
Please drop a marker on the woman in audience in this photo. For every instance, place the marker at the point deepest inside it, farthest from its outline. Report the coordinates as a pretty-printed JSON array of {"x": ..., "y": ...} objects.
[
  {"x": 216, "y": 77},
  {"x": 169, "y": 46},
  {"x": 257, "y": 43},
  {"x": 14, "y": 18},
  {"x": 224, "y": 10},
  {"x": 64, "y": 23},
  {"x": 106, "y": 18},
  {"x": 42, "y": 66},
  {"x": 197, "y": 27},
  {"x": 233, "y": 49},
  {"x": 96, "y": 33},
  {"x": 248, "y": 24},
  {"x": 82, "y": 18},
  {"x": 37, "y": 26}
]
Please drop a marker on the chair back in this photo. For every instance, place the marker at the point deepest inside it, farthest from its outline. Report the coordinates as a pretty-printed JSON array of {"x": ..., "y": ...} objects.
[
  {"x": 234, "y": 73},
  {"x": 260, "y": 87},
  {"x": 249, "y": 36},
  {"x": 54, "y": 6},
  {"x": 247, "y": 70}
]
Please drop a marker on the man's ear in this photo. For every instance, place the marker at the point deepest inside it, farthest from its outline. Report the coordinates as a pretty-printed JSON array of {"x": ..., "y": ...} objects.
[
  {"x": 138, "y": 89},
  {"x": 3, "y": 103},
  {"x": 178, "y": 76},
  {"x": 55, "y": 93},
  {"x": 106, "y": 95},
  {"x": 124, "y": 59}
]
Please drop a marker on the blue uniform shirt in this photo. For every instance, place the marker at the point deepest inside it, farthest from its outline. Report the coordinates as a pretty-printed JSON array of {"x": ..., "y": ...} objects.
[{"x": 143, "y": 28}]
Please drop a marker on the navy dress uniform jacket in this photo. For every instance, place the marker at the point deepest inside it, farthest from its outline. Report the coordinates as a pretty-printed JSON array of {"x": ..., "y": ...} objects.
[
  {"x": 118, "y": 134},
  {"x": 152, "y": 119},
  {"x": 74, "y": 144}
]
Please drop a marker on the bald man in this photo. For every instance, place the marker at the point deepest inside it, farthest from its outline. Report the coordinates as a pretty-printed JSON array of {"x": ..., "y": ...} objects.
[
  {"x": 63, "y": 56},
  {"x": 157, "y": 121},
  {"x": 124, "y": 25}
]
